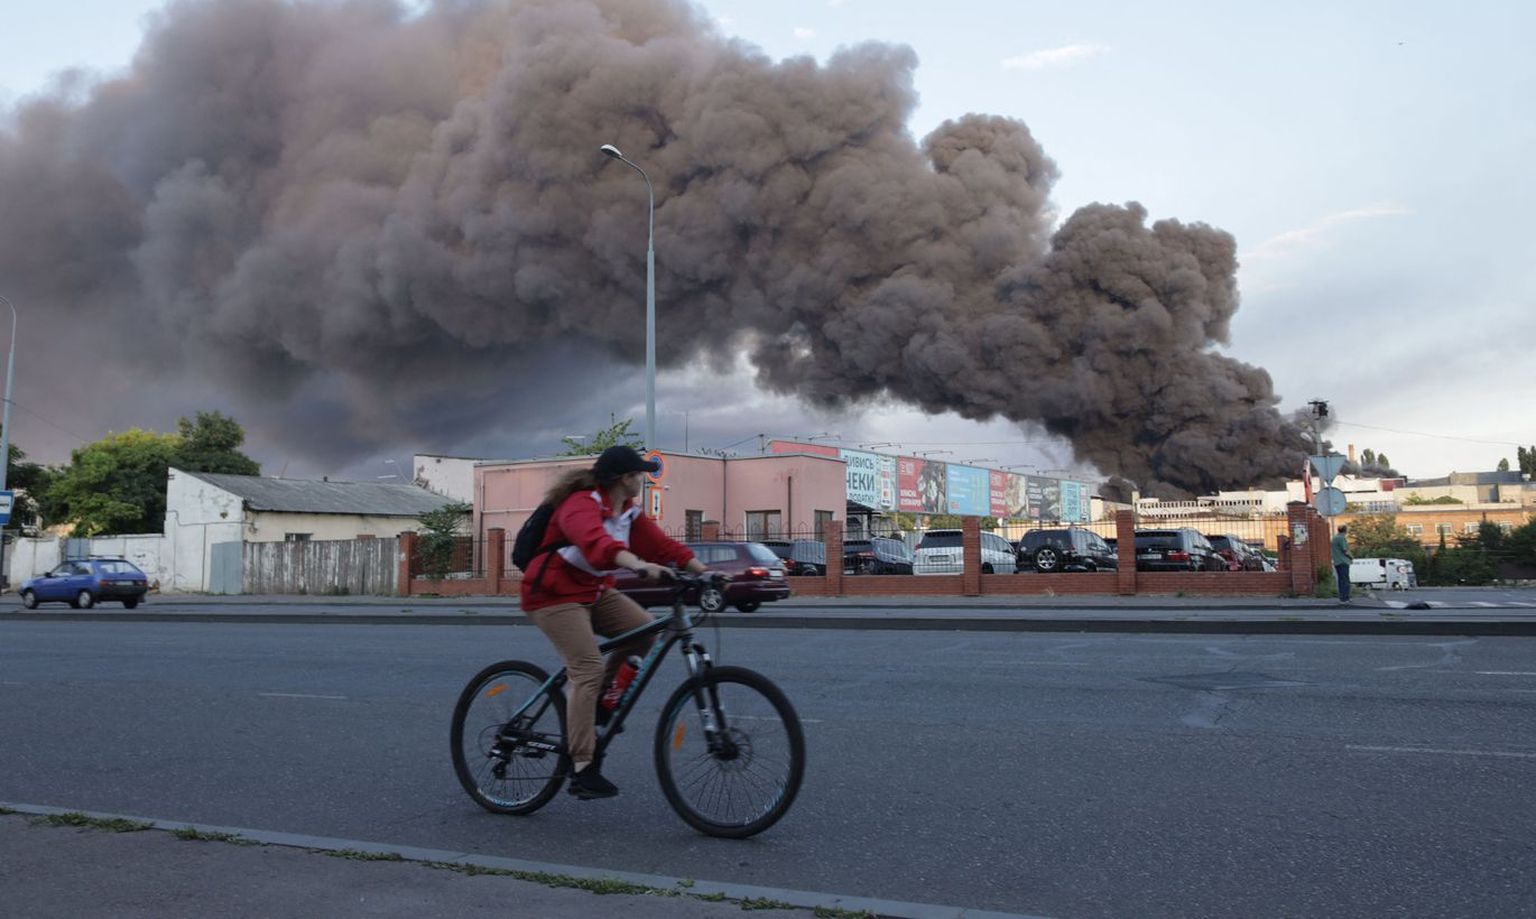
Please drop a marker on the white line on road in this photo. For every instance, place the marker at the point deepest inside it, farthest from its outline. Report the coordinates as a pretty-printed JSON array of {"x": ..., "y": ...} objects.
[
  {"x": 1442, "y": 752},
  {"x": 299, "y": 695},
  {"x": 1506, "y": 672}
]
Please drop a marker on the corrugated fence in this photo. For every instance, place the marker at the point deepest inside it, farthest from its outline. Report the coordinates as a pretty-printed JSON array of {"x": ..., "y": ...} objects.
[{"x": 329, "y": 567}]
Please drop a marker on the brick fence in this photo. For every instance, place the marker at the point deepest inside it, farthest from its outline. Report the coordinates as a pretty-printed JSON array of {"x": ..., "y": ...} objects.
[{"x": 1302, "y": 555}]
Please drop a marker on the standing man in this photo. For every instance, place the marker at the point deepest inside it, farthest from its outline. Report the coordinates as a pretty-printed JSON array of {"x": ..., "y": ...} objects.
[{"x": 1341, "y": 560}]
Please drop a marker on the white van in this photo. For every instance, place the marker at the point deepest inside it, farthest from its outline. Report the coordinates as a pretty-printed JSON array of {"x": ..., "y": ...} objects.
[{"x": 1384, "y": 573}]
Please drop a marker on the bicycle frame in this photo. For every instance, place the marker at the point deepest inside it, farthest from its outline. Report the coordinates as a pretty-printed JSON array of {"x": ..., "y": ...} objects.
[{"x": 679, "y": 625}]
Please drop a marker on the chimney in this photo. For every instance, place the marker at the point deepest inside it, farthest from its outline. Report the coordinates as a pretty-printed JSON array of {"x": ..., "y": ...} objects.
[{"x": 1352, "y": 459}]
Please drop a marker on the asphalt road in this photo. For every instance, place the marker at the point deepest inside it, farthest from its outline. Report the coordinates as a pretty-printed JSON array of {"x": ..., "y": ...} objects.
[{"x": 1064, "y": 775}]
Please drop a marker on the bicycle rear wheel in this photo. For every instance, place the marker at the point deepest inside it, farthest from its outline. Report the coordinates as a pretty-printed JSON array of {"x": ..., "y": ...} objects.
[
  {"x": 510, "y": 765},
  {"x": 730, "y": 753}
]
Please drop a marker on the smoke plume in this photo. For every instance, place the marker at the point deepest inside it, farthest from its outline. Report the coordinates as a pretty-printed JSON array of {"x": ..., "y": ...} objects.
[{"x": 281, "y": 194}]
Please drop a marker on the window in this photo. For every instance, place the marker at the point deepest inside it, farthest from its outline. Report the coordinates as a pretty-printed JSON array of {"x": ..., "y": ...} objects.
[
  {"x": 1414, "y": 529},
  {"x": 1444, "y": 529},
  {"x": 823, "y": 520},
  {"x": 763, "y": 524},
  {"x": 297, "y": 537},
  {"x": 693, "y": 524},
  {"x": 1469, "y": 528}
]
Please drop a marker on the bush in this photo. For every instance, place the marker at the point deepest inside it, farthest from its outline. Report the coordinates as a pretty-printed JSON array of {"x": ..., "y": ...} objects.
[{"x": 438, "y": 531}]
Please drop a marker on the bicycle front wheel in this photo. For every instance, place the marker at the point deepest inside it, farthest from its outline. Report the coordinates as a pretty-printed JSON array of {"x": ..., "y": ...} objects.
[
  {"x": 510, "y": 756},
  {"x": 729, "y": 752}
]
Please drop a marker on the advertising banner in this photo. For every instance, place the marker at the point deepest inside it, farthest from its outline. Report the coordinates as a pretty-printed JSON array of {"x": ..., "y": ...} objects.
[
  {"x": 1017, "y": 495},
  {"x": 970, "y": 491},
  {"x": 1044, "y": 498},
  {"x": 907, "y": 497},
  {"x": 886, "y": 467},
  {"x": 863, "y": 477},
  {"x": 1070, "y": 502},
  {"x": 924, "y": 486},
  {"x": 998, "y": 492}
]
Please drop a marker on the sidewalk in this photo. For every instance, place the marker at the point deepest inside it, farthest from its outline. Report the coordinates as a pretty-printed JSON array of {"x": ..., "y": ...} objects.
[{"x": 125, "y": 867}]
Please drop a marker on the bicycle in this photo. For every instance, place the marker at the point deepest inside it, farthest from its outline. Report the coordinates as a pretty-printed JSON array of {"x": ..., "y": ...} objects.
[{"x": 724, "y": 730}]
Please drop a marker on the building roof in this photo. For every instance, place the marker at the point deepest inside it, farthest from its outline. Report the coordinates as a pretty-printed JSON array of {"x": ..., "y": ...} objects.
[{"x": 305, "y": 496}]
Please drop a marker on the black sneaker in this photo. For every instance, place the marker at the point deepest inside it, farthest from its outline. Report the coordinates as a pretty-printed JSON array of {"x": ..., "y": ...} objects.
[{"x": 589, "y": 784}]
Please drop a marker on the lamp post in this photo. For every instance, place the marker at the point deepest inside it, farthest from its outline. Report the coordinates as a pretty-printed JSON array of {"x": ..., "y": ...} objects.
[
  {"x": 5, "y": 432},
  {"x": 650, "y": 297}
]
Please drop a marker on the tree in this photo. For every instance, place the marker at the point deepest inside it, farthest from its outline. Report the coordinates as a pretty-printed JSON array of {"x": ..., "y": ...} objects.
[
  {"x": 440, "y": 532},
  {"x": 616, "y": 433},
  {"x": 117, "y": 484},
  {"x": 1367, "y": 457},
  {"x": 1380, "y": 536},
  {"x": 1382, "y": 461},
  {"x": 1527, "y": 460},
  {"x": 1504, "y": 464},
  {"x": 30, "y": 481},
  {"x": 211, "y": 444}
]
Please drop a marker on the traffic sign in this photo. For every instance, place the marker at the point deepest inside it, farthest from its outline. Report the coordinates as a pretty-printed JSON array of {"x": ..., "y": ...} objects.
[
  {"x": 7, "y": 501},
  {"x": 1328, "y": 466},
  {"x": 655, "y": 509},
  {"x": 660, "y": 475},
  {"x": 1330, "y": 502}
]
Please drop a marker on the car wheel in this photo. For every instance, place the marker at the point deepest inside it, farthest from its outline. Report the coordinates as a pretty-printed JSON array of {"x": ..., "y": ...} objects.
[
  {"x": 1090, "y": 567},
  {"x": 748, "y": 606},
  {"x": 131, "y": 603},
  {"x": 1047, "y": 559},
  {"x": 711, "y": 600},
  {"x": 84, "y": 600},
  {"x": 986, "y": 568},
  {"x": 29, "y": 599}
]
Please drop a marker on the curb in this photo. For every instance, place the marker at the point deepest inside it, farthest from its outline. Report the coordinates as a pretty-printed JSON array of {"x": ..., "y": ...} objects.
[
  {"x": 1392, "y": 623},
  {"x": 805, "y": 899}
]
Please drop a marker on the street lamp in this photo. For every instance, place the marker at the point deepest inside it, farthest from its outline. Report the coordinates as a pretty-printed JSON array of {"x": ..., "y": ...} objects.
[
  {"x": 930, "y": 452},
  {"x": 650, "y": 297},
  {"x": 979, "y": 459},
  {"x": 878, "y": 445}
]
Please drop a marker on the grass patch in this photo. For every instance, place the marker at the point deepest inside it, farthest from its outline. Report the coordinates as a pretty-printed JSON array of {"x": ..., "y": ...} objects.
[
  {"x": 84, "y": 821},
  {"x": 602, "y": 886},
  {"x": 766, "y": 903},
  {"x": 361, "y": 856},
  {"x": 7, "y": 810},
  {"x": 832, "y": 912},
  {"x": 192, "y": 833},
  {"x": 709, "y": 897}
]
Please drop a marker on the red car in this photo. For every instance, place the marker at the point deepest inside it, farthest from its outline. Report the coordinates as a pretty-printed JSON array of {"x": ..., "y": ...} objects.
[{"x": 757, "y": 577}]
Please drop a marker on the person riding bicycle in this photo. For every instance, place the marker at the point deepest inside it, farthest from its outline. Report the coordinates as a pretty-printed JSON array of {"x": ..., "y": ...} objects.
[{"x": 569, "y": 593}]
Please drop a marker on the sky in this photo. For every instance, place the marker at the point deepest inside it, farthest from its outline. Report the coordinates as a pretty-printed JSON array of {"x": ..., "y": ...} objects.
[{"x": 1370, "y": 158}]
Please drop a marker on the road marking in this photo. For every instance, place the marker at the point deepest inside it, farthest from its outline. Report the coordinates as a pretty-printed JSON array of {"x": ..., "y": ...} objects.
[
  {"x": 1433, "y": 750},
  {"x": 1506, "y": 672},
  {"x": 771, "y": 718},
  {"x": 299, "y": 695}
]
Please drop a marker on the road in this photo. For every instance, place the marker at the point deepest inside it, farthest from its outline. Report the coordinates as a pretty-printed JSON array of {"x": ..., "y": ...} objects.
[{"x": 1062, "y": 775}]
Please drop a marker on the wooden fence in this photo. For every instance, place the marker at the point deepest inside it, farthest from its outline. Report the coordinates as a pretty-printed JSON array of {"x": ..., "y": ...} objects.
[{"x": 325, "y": 567}]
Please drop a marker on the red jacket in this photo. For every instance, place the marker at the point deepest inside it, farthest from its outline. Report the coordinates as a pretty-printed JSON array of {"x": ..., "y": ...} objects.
[{"x": 596, "y": 532}]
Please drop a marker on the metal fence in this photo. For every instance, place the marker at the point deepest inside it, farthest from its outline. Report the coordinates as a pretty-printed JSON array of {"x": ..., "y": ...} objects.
[{"x": 1242, "y": 542}]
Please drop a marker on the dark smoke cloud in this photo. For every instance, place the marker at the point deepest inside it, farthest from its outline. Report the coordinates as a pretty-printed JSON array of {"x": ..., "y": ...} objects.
[{"x": 409, "y": 216}]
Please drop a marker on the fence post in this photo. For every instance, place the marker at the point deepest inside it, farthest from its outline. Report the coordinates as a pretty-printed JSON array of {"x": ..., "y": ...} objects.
[
  {"x": 1303, "y": 575},
  {"x": 495, "y": 557},
  {"x": 970, "y": 547},
  {"x": 1125, "y": 552},
  {"x": 407, "y": 557},
  {"x": 834, "y": 577}
]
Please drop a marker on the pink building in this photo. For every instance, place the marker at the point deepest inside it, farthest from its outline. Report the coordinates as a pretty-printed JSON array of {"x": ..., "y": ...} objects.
[{"x": 749, "y": 497}]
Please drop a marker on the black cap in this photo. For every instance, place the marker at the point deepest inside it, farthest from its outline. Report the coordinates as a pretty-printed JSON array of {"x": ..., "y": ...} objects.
[{"x": 622, "y": 460}]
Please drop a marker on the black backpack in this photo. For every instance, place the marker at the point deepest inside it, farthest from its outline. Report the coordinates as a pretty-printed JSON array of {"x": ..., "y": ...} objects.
[{"x": 529, "y": 544}]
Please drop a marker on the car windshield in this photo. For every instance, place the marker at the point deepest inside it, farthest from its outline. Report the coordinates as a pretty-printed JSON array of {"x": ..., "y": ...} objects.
[
  {"x": 891, "y": 547},
  {"x": 1152, "y": 539},
  {"x": 762, "y": 554},
  {"x": 941, "y": 539},
  {"x": 1221, "y": 542}
]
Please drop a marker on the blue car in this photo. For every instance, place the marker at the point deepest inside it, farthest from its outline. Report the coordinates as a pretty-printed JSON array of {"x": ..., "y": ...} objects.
[{"x": 81, "y": 582}]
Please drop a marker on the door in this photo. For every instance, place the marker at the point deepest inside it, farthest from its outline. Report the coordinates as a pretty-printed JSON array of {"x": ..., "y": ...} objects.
[{"x": 226, "y": 568}]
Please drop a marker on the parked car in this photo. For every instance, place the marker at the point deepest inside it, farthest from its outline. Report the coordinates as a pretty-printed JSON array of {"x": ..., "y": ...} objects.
[
  {"x": 757, "y": 577},
  {"x": 1237, "y": 553},
  {"x": 1065, "y": 549},
  {"x": 800, "y": 556},
  {"x": 82, "y": 582},
  {"x": 1386, "y": 573},
  {"x": 877, "y": 555},
  {"x": 1183, "y": 549},
  {"x": 940, "y": 552}
]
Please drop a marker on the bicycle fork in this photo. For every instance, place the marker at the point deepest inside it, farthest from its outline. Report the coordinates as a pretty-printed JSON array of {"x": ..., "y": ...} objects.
[{"x": 706, "y": 698}]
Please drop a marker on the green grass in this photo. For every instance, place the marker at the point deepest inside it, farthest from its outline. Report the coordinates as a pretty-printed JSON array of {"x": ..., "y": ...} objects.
[
  {"x": 766, "y": 903},
  {"x": 83, "y": 821},
  {"x": 192, "y": 833},
  {"x": 7, "y": 810},
  {"x": 831, "y": 912}
]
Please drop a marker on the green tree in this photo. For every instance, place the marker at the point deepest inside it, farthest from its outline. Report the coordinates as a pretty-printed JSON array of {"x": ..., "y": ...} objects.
[
  {"x": 1367, "y": 457},
  {"x": 1380, "y": 536},
  {"x": 1504, "y": 464},
  {"x": 440, "y": 530},
  {"x": 30, "y": 481},
  {"x": 1527, "y": 460},
  {"x": 1382, "y": 461},
  {"x": 616, "y": 433},
  {"x": 115, "y": 485},
  {"x": 211, "y": 443},
  {"x": 1415, "y": 500}
]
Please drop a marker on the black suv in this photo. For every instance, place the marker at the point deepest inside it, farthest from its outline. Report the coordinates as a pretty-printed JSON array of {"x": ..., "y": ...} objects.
[
  {"x": 801, "y": 556},
  {"x": 1183, "y": 549},
  {"x": 1069, "y": 549},
  {"x": 880, "y": 555}
]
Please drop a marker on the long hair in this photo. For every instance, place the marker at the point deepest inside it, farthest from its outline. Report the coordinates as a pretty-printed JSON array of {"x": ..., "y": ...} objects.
[{"x": 574, "y": 480}]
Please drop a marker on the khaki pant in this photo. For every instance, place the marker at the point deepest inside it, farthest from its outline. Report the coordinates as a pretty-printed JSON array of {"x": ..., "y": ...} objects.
[{"x": 573, "y": 629}]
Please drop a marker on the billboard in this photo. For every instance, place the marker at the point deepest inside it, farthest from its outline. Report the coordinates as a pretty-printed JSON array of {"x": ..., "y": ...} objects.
[
  {"x": 863, "y": 477},
  {"x": 969, "y": 491},
  {"x": 922, "y": 487}
]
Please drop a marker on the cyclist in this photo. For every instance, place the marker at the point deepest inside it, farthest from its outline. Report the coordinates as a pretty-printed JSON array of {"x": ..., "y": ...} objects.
[{"x": 569, "y": 592}]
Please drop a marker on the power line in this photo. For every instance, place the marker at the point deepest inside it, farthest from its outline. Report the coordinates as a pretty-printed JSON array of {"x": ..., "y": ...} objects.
[
  {"x": 1473, "y": 440},
  {"x": 48, "y": 421}
]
